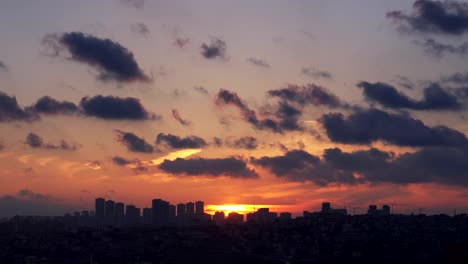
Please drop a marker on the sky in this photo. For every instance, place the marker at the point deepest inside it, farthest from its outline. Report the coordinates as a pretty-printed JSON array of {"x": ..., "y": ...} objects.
[{"x": 284, "y": 104}]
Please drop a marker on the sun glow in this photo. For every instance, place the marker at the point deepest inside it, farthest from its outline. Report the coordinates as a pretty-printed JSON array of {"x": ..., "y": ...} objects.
[{"x": 238, "y": 208}]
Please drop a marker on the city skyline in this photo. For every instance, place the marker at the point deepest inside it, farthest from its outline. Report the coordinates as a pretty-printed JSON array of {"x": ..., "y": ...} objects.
[{"x": 243, "y": 105}]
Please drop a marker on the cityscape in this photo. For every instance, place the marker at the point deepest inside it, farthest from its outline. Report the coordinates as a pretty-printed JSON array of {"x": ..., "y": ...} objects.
[{"x": 164, "y": 233}]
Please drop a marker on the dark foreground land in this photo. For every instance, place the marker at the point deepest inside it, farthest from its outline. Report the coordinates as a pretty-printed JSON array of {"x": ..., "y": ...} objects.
[{"x": 314, "y": 239}]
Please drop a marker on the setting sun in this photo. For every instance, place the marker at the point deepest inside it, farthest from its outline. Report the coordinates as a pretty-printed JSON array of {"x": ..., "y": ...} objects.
[{"x": 239, "y": 208}]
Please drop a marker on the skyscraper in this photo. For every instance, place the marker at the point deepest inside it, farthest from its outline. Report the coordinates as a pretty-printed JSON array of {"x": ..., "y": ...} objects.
[
  {"x": 119, "y": 213},
  {"x": 110, "y": 212},
  {"x": 147, "y": 216},
  {"x": 132, "y": 217},
  {"x": 200, "y": 207},
  {"x": 100, "y": 210},
  {"x": 160, "y": 211},
  {"x": 190, "y": 208},
  {"x": 181, "y": 209}
]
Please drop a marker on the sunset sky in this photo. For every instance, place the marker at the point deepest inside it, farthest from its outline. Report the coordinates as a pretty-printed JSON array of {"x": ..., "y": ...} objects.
[{"x": 278, "y": 103}]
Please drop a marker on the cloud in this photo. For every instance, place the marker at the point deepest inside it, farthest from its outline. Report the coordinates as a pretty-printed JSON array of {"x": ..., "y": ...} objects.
[
  {"x": 135, "y": 164},
  {"x": 437, "y": 49},
  {"x": 181, "y": 42},
  {"x": 134, "y": 3},
  {"x": 230, "y": 167},
  {"x": 248, "y": 142},
  {"x": 26, "y": 193},
  {"x": 445, "y": 17},
  {"x": 3, "y": 66},
  {"x": 176, "y": 142},
  {"x": 201, "y": 90},
  {"x": 456, "y": 78},
  {"x": 370, "y": 125},
  {"x": 26, "y": 202},
  {"x": 177, "y": 117},
  {"x": 405, "y": 82},
  {"x": 110, "y": 107},
  {"x": 35, "y": 141},
  {"x": 434, "y": 97},
  {"x": 11, "y": 111},
  {"x": 298, "y": 165},
  {"x": 133, "y": 142},
  {"x": 258, "y": 62},
  {"x": 112, "y": 60},
  {"x": 316, "y": 74},
  {"x": 225, "y": 97},
  {"x": 49, "y": 105},
  {"x": 445, "y": 165},
  {"x": 309, "y": 94},
  {"x": 216, "y": 49},
  {"x": 140, "y": 29},
  {"x": 283, "y": 117}
]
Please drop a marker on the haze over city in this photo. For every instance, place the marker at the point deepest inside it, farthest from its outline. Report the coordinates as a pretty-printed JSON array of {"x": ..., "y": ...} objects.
[{"x": 240, "y": 104}]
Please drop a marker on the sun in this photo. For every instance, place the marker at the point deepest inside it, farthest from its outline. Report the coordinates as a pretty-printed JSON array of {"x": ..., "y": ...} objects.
[{"x": 228, "y": 208}]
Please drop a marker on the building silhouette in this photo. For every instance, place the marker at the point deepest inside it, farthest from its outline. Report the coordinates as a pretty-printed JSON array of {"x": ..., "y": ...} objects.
[
  {"x": 119, "y": 214},
  {"x": 110, "y": 214},
  {"x": 199, "y": 207},
  {"x": 190, "y": 208},
  {"x": 100, "y": 210}
]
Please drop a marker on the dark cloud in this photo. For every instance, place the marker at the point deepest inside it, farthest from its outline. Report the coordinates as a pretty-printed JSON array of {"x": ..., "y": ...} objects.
[
  {"x": 446, "y": 17},
  {"x": 283, "y": 117},
  {"x": 35, "y": 141},
  {"x": 201, "y": 89},
  {"x": 3, "y": 66},
  {"x": 27, "y": 202},
  {"x": 367, "y": 126},
  {"x": 456, "y": 78},
  {"x": 110, "y": 107},
  {"x": 437, "y": 49},
  {"x": 298, "y": 165},
  {"x": 49, "y": 105},
  {"x": 181, "y": 42},
  {"x": 134, "y": 3},
  {"x": 446, "y": 165},
  {"x": 177, "y": 142},
  {"x": 316, "y": 74},
  {"x": 434, "y": 97},
  {"x": 216, "y": 49},
  {"x": 249, "y": 143},
  {"x": 258, "y": 62},
  {"x": 177, "y": 117},
  {"x": 230, "y": 167},
  {"x": 309, "y": 94},
  {"x": 133, "y": 142},
  {"x": 405, "y": 82},
  {"x": 11, "y": 111},
  {"x": 135, "y": 164},
  {"x": 112, "y": 60},
  {"x": 141, "y": 29},
  {"x": 26, "y": 193}
]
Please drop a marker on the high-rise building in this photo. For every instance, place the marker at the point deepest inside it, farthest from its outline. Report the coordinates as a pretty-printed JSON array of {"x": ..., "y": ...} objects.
[
  {"x": 119, "y": 213},
  {"x": 199, "y": 207},
  {"x": 218, "y": 218},
  {"x": 132, "y": 217},
  {"x": 385, "y": 210},
  {"x": 235, "y": 218},
  {"x": 160, "y": 211},
  {"x": 181, "y": 209},
  {"x": 147, "y": 216},
  {"x": 110, "y": 212},
  {"x": 172, "y": 213},
  {"x": 100, "y": 210},
  {"x": 190, "y": 208},
  {"x": 372, "y": 210},
  {"x": 326, "y": 207}
]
